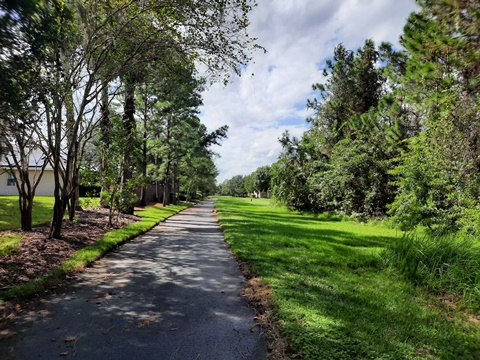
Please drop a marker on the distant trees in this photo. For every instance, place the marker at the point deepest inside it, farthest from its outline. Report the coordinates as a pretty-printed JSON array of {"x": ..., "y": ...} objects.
[
  {"x": 234, "y": 186},
  {"x": 257, "y": 182},
  {"x": 262, "y": 179}
]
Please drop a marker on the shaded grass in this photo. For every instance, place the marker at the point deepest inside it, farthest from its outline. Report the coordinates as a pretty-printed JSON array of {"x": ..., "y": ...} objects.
[
  {"x": 335, "y": 299},
  {"x": 151, "y": 216}
]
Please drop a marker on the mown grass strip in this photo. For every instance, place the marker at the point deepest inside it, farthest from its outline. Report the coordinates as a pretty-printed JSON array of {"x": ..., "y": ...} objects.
[
  {"x": 151, "y": 216},
  {"x": 335, "y": 297}
]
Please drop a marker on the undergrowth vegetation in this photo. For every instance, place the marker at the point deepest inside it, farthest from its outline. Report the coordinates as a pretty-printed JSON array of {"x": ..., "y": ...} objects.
[
  {"x": 335, "y": 297},
  {"x": 444, "y": 264}
]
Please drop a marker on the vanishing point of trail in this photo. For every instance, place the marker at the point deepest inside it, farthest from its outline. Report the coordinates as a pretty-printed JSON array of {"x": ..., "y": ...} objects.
[{"x": 173, "y": 293}]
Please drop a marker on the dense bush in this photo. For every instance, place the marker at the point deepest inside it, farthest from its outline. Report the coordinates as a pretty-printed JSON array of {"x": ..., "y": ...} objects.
[{"x": 356, "y": 182}]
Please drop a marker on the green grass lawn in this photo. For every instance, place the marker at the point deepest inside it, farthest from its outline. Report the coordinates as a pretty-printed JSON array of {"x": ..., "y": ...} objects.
[
  {"x": 10, "y": 219},
  {"x": 9, "y": 243},
  {"x": 335, "y": 297},
  {"x": 10, "y": 213}
]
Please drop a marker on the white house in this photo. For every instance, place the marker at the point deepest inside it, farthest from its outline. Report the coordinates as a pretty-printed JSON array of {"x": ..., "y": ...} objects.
[
  {"x": 262, "y": 194},
  {"x": 36, "y": 160}
]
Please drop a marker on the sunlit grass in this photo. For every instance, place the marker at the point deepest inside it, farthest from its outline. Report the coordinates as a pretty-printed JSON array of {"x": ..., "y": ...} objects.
[
  {"x": 9, "y": 243},
  {"x": 42, "y": 210},
  {"x": 335, "y": 297},
  {"x": 10, "y": 213},
  {"x": 10, "y": 218}
]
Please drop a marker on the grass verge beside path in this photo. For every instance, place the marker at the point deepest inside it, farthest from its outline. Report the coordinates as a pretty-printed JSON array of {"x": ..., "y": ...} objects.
[
  {"x": 151, "y": 216},
  {"x": 334, "y": 297}
]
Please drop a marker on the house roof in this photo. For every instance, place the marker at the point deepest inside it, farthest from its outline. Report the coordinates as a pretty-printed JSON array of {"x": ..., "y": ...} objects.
[{"x": 35, "y": 160}]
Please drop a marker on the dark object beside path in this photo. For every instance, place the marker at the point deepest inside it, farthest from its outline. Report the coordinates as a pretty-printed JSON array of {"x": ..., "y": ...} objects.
[{"x": 173, "y": 293}]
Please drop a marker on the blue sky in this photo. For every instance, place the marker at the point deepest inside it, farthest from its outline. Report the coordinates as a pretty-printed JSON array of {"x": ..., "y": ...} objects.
[{"x": 299, "y": 36}]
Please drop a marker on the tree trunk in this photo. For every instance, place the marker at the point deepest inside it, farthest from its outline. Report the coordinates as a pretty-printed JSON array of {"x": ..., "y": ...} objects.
[
  {"x": 74, "y": 203},
  {"x": 56, "y": 225},
  {"x": 72, "y": 180},
  {"x": 166, "y": 194},
  {"x": 26, "y": 218},
  {"x": 143, "y": 200},
  {"x": 25, "y": 196},
  {"x": 129, "y": 127},
  {"x": 26, "y": 206},
  {"x": 105, "y": 128},
  {"x": 174, "y": 184},
  {"x": 55, "y": 135}
]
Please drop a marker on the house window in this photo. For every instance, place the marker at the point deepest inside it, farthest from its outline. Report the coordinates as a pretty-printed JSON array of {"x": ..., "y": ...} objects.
[{"x": 10, "y": 179}]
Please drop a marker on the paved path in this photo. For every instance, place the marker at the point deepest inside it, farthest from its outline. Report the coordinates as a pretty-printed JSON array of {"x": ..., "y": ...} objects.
[{"x": 173, "y": 293}]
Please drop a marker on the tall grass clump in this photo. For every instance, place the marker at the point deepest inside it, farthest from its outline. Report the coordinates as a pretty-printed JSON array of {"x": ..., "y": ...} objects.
[{"x": 444, "y": 264}]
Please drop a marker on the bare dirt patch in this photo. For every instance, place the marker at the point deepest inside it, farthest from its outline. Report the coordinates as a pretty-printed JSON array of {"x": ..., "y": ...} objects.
[{"x": 38, "y": 254}]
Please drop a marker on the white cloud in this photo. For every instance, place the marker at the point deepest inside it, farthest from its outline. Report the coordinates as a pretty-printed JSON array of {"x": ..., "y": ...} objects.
[{"x": 298, "y": 35}]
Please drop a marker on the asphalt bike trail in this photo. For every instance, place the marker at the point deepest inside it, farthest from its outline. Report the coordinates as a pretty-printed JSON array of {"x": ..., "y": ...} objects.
[{"x": 173, "y": 293}]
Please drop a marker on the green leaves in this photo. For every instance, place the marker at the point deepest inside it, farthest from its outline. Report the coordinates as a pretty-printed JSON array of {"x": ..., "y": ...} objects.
[
  {"x": 437, "y": 176},
  {"x": 341, "y": 163},
  {"x": 403, "y": 134}
]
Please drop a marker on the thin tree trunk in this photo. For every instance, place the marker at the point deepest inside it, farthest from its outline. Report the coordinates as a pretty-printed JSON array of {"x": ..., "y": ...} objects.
[
  {"x": 166, "y": 194},
  {"x": 105, "y": 128},
  {"x": 129, "y": 127},
  {"x": 25, "y": 201},
  {"x": 143, "y": 200},
  {"x": 74, "y": 203},
  {"x": 58, "y": 209},
  {"x": 174, "y": 184},
  {"x": 56, "y": 225}
]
